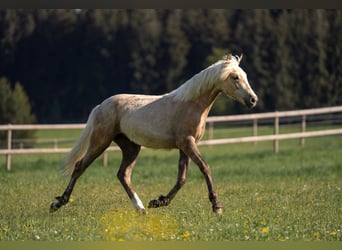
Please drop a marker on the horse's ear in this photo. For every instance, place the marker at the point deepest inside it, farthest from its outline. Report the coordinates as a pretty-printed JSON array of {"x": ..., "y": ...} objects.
[
  {"x": 227, "y": 57},
  {"x": 240, "y": 58}
]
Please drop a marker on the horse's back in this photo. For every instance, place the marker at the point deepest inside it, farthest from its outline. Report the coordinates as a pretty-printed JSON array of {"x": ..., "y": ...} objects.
[{"x": 145, "y": 119}]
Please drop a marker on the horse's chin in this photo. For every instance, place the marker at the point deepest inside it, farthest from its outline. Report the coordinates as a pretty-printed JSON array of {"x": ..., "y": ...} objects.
[{"x": 252, "y": 106}]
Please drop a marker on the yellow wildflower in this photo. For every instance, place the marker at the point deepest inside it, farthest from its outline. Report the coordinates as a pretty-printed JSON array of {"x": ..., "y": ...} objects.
[
  {"x": 333, "y": 234},
  {"x": 316, "y": 234},
  {"x": 186, "y": 235},
  {"x": 258, "y": 199},
  {"x": 265, "y": 230}
]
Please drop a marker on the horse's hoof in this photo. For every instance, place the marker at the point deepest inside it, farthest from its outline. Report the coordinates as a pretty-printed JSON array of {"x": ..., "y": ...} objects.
[
  {"x": 54, "y": 206},
  {"x": 218, "y": 210},
  {"x": 153, "y": 204},
  {"x": 141, "y": 211},
  {"x": 161, "y": 202}
]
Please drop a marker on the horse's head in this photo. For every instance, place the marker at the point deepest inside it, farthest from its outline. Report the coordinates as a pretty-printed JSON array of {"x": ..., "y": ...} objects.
[{"x": 236, "y": 85}]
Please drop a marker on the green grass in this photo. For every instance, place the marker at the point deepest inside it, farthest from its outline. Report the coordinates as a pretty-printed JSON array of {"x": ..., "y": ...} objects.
[{"x": 292, "y": 195}]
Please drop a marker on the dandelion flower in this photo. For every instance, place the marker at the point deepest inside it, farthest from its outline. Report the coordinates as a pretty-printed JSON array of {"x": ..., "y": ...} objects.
[
  {"x": 333, "y": 234},
  {"x": 186, "y": 235},
  {"x": 265, "y": 230}
]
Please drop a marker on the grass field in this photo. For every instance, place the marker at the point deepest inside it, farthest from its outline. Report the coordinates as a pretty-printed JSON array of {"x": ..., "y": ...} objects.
[{"x": 292, "y": 195}]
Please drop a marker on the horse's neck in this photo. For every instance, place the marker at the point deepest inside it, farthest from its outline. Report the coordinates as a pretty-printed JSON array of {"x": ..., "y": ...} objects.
[{"x": 206, "y": 100}]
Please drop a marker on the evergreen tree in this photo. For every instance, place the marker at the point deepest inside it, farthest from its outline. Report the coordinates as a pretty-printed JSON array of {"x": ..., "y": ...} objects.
[
  {"x": 204, "y": 29},
  {"x": 266, "y": 60},
  {"x": 173, "y": 50},
  {"x": 5, "y": 101},
  {"x": 285, "y": 81},
  {"x": 333, "y": 91},
  {"x": 15, "y": 25},
  {"x": 15, "y": 108},
  {"x": 145, "y": 32},
  {"x": 292, "y": 57},
  {"x": 308, "y": 40}
]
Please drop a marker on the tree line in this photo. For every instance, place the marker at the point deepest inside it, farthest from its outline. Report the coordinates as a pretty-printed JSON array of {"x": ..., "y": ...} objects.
[{"x": 68, "y": 61}]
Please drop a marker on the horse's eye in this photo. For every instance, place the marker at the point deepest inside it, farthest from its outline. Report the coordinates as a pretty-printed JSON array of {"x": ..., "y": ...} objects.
[
  {"x": 235, "y": 77},
  {"x": 236, "y": 81}
]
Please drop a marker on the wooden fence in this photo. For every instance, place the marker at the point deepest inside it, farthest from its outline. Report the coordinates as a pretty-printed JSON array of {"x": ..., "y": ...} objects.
[{"x": 255, "y": 118}]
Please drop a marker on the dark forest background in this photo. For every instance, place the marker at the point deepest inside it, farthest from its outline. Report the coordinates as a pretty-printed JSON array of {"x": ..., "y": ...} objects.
[{"x": 67, "y": 61}]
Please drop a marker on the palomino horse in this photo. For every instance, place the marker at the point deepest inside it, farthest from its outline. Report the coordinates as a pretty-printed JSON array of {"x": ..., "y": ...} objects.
[{"x": 174, "y": 120}]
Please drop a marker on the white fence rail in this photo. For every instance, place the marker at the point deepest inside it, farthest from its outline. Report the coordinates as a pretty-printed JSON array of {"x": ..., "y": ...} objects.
[{"x": 275, "y": 137}]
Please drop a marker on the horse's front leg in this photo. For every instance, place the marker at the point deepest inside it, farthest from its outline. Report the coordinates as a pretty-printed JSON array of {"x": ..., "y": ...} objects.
[
  {"x": 183, "y": 164},
  {"x": 190, "y": 148}
]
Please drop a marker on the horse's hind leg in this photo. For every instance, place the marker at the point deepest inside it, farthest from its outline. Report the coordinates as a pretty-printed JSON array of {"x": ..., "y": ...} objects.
[
  {"x": 130, "y": 151},
  {"x": 64, "y": 198},
  {"x": 96, "y": 147},
  {"x": 183, "y": 165}
]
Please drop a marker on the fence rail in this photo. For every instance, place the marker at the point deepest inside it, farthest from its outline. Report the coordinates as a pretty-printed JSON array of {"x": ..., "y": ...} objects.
[{"x": 255, "y": 118}]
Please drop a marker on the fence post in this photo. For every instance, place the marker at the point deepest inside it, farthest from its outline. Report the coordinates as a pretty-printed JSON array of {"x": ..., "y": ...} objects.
[
  {"x": 276, "y": 132},
  {"x": 302, "y": 140},
  {"x": 255, "y": 129},
  {"x": 9, "y": 147}
]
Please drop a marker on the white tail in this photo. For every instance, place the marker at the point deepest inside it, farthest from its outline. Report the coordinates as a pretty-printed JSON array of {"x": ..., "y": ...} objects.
[{"x": 80, "y": 148}]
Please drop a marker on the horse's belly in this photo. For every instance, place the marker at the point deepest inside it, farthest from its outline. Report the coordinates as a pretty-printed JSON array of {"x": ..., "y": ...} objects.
[
  {"x": 150, "y": 140},
  {"x": 148, "y": 136}
]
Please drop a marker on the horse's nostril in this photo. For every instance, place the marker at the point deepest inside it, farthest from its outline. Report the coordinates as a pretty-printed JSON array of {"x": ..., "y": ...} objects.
[{"x": 253, "y": 100}]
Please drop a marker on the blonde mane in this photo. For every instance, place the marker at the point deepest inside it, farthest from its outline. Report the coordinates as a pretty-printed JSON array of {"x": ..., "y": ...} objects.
[{"x": 206, "y": 79}]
